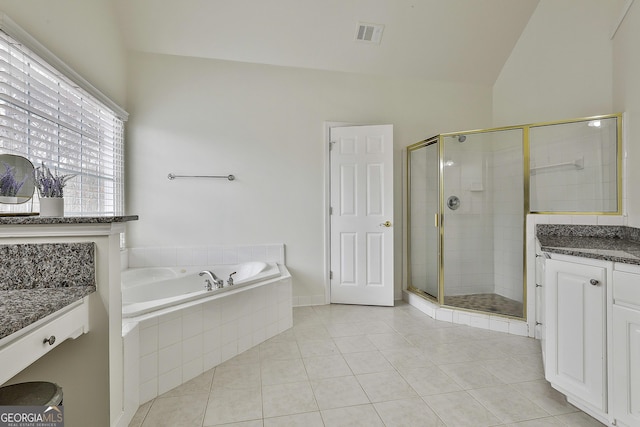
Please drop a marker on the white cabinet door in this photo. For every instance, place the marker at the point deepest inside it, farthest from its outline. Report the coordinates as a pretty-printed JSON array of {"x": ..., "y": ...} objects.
[
  {"x": 625, "y": 349},
  {"x": 575, "y": 330},
  {"x": 626, "y": 366}
]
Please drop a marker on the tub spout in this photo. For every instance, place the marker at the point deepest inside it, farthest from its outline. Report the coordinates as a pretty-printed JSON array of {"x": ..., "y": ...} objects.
[{"x": 212, "y": 280}]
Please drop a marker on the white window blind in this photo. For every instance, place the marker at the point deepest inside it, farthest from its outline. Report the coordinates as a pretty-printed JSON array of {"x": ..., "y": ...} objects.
[{"x": 47, "y": 118}]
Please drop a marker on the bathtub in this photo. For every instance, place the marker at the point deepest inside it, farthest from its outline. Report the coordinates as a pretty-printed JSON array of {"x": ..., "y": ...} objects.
[
  {"x": 174, "y": 330},
  {"x": 149, "y": 289}
]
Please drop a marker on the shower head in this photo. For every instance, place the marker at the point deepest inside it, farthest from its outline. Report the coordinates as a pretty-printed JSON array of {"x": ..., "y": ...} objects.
[{"x": 462, "y": 138}]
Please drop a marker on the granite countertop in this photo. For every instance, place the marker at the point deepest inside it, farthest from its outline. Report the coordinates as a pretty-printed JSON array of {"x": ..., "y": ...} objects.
[
  {"x": 30, "y": 220},
  {"x": 22, "y": 307},
  {"x": 608, "y": 243},
  {"x": 38, "y": 279}
]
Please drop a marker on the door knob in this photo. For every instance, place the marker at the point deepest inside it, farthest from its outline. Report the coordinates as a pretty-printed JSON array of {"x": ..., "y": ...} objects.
[
  {"x": 386, "y": 224},
  {"x": 594, "y": 282}
]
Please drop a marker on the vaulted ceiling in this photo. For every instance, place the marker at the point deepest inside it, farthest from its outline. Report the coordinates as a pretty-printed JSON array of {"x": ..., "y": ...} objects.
[{"x": 450, "y": 40}]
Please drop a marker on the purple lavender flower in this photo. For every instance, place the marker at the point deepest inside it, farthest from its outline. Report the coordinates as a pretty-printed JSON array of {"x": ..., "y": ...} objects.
[
  {"x": 48, "y": 184},
  {"x": 9, "y": 186}
]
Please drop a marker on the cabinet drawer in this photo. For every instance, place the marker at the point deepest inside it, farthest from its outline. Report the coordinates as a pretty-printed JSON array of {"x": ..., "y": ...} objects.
[
  {"x": 626, "y": 288},
  {"x": 22, "y": 352}
]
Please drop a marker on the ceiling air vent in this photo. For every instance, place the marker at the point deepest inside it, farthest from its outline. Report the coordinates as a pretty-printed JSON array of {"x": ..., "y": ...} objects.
[{"x": 369, "y": 33}]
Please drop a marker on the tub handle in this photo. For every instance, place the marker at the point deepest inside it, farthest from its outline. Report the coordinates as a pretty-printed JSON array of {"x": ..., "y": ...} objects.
[{"x": 230, "y": 281}]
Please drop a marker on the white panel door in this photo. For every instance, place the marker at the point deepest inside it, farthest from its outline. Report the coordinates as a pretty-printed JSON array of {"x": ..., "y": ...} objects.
[{"x": 362, "y": 215}]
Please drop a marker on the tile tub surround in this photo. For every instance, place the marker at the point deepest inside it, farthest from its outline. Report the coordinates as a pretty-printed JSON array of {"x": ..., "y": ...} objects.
[
  {"x": 37, "y": 280},
  {"x": 179, "y": 256},
  {"x": 176, "y": 346},
  {"x": 609, "y": 243}
]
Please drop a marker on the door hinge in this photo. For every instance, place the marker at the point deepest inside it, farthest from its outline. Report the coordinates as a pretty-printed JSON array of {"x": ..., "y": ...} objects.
[
  {"x": 331, "y": 145},
  {"x": 330, "y": 210},
  {"x": 330, "y": 275}
]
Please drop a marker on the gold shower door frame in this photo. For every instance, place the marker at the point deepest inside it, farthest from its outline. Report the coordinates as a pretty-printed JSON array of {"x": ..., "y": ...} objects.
[{"x": 439, "y": 139}]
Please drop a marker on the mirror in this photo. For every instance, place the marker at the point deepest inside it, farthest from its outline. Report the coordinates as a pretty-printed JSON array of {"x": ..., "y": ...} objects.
[{"x": 16, "y": 179}]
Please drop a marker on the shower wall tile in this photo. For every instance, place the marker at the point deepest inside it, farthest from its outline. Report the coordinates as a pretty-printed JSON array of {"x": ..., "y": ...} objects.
[
  {"x": 167, "y": 256},
  {"x": 259, "y": 253},
  {"x": 184, "y": 256},
  {"x": 124, "y": 259},
  {"x": 153, "y": 257},
  {"x": 611, "y": 220},
  {"x": 215, "y": 255},
  {"x": 244, "y": 254},
  {"x": 539, "y": 219},
  {"x": 200, "y": 256},
  {"x": 518, "y": 328},
  {"x": 148, "y": 390},
  {"x": 192, "y": 369},
  {"x": 276, "y": 253},
  {"x": 508, "y": 210},
  {"x": 498, "y": 325},
  {"x": 137, "y": 257},
  {"x": 230, "y": 255},
  {"x": 479, "y": 320},
  {"x": 584, "y": 219},
  {"x": 461, "y": 317},
  {"x": 561, "y": 219},
  {"x": 445, "y": 314}
]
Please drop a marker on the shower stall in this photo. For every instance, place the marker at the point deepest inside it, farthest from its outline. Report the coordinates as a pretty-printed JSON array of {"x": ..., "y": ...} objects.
[{"x": 468, "y": 194}]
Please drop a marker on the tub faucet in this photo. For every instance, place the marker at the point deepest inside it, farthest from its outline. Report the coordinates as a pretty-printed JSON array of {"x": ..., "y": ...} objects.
[{"x": 215, "y": 280}]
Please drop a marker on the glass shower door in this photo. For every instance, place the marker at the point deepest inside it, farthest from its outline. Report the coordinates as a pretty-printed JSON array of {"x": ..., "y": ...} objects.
[
  {"x": 483, "y": 220},
  {"x": 423, "y": 205}
]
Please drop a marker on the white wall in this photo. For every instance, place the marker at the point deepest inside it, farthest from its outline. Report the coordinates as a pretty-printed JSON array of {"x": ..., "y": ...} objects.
[
  {"x": 566, "y": 65},
  {"x": 265, "y": 125},
  {"x": 561, "y": 67},
  {"x": 83, "y": 34},
  {"x": 626, "y": 97}
]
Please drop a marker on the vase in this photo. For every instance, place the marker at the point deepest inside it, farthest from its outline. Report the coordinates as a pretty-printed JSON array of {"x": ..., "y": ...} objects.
[
  {"x": 9, "y": 199},
  {"x": 51, "y": 206}
]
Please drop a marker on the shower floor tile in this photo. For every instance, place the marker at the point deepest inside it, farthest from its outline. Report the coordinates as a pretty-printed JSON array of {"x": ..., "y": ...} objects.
[{"x": 490, "y": 303}]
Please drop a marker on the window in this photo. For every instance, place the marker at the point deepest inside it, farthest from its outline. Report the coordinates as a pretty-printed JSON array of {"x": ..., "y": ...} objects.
[{"x": 51, "y": 115}]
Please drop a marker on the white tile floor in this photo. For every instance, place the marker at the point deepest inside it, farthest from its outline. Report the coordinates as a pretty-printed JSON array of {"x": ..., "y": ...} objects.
[{"x": 346, "y": 365}]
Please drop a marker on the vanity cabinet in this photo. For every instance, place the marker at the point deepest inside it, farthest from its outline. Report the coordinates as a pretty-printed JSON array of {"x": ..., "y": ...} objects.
[
  {"x": 626, "y": 346},
  {"x": 575, "y": 325},
  {"x": 55, "y": 329}
]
